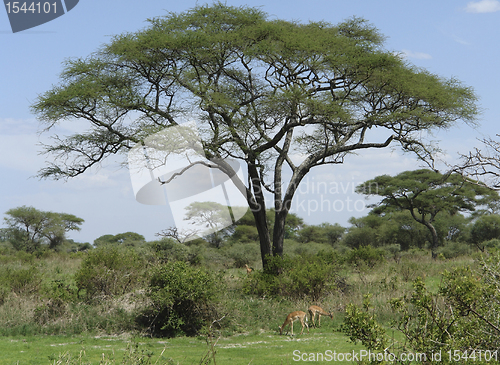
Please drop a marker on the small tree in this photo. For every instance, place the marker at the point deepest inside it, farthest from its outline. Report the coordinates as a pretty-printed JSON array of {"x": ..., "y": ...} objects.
[
  {"x": 425, "y": 194},
  {"x": 30, "y": 228}
]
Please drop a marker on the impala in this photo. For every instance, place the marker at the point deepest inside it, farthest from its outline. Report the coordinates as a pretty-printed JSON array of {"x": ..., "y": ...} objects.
[
  {"x": 292, "y": 317},
  {"x": 313, "y": 310},
  {"x": 249, "y": 269}
]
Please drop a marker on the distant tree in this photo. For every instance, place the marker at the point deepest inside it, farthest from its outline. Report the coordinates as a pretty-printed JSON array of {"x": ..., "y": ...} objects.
[
  {"x": 29, "y": 228},
  {"x": 484, "y": 229},
  {"x": 323, "y": 233},
  {"x": 210, "y": 218},
  {"x": 262, "y": 91},
  {"x": 425, "y": 194},
  {"x": 125, "y": 239}
]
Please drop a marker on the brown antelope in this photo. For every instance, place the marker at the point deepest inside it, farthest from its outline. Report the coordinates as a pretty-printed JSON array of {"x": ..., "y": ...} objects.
[
  {"x": 249, "y": 269},
  {"x": 292, "y": 317},
  {"x": 313, "y": 310}
]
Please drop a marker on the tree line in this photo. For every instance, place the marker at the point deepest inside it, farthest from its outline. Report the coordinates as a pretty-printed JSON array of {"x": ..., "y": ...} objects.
[{"x": 417, "y": 209}]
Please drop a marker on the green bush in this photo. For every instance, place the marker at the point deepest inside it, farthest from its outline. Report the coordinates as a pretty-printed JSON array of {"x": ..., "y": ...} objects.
[
  {"x": 168, "y": 249},
  {"x": 365, "y": 256},
  {"x": 305, "y": 276},
  {"x": 108, "y": 271},
  {"x": 454, "y": 249},
  {"x": 242, "y": 253},
  {"x": 20, "y": 280},
  {"x": 183, "y": 298}
]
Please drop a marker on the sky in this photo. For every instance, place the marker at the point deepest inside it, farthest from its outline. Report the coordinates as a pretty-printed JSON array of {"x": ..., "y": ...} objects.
[{"x": 450, "y": 38}]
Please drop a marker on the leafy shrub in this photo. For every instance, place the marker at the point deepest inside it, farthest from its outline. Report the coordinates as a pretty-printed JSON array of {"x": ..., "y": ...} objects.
[
  {"x": 108, "y": 271},
  {"x": 183, "y": 298},
  {"x": 485, "y": 228},
  {"x": 20, "y": 279},
  {"x": 300, "y": 277},
  {"x": 454, "y": 249},
  {"x": 168, "y": 249},
  {"x": 242, "y": 253},
  {"x": 244, "y": 234},
  {"x": 365, "y": 256}
]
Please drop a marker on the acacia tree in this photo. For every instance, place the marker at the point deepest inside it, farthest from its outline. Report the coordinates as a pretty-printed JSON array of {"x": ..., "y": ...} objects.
[
  {"x": 425, "y": 194},
  {"x": 29, "y": 227},
  {"x": 280, "y": 96}
]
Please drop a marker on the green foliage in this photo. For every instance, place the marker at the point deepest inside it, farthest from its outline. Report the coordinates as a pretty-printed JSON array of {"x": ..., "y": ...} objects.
[
  {"x": 244, "y": 234},
  {"x": 461, "y": 316},
  {"x": 366, "y": 256},
  {"x": 361, "y": 325},
  {"x": 124, "y": 239},
  {"x": 485, "y": 228},
  {"x": 242, "y": 253},
  {"x": 324, "y": 233},
  {"x": 168, "y": 249},
  {"x": 425, "y": 194},
  {"x": 20, "y": 279},
  {"x": 108, "y": 271},
  {"x": 454, "y": 249},
  {"x": 29, "y": 228},
  {"x": 300, "y": 277},
  {"x": 183, "y": 298}
]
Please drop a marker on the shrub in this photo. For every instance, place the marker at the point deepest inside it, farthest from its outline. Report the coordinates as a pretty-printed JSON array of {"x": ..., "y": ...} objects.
[
  {"x": 244, "y": 234},
  {"x": 485, "y": 228},
  {"x": 20, "y": 279},
  {"x": 454, "y": 249},
  {"x": 305, "y": 276},
  {"x": 242, "y": 253},
  {"x": 108, "y": 271},
  {"x": 365, "y": 256},
  {"x": 169, "y": 250},
  {"x": 183, "y": 298}
]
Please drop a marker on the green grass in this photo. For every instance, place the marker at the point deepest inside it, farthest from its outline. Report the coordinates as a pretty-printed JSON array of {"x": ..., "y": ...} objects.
[
  {"x": 264, "y": 348},
  {"x": 249, "y": 331}
]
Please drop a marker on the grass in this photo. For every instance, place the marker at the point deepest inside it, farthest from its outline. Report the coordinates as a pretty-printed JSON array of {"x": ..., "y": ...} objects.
[
  {"x": 81, "y": 332},
  {"x": 263, "y": 348}
]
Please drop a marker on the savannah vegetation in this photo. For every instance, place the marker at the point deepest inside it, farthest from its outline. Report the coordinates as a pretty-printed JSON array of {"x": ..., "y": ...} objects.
[{"x": 376, "y": 276}]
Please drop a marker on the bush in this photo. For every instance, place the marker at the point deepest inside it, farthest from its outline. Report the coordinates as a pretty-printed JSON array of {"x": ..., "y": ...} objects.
[
  {"x": 108, "y": 271},
  {"x": 169, "y": 250},
  {"x": 242, "y": 253},
  {"x": 19, "y": 280},
  {"x": 300, "y": 277},
  {"x": 365, "y": 256},
  {"x": 245, "y": 234},
  {"x": 183, "y": 298},
  {"x": 454, "y": 249}
]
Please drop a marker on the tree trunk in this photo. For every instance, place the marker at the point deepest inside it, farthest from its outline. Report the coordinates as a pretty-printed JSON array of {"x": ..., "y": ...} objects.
[
  {"x": 435, "y": 239},
  {"x": 264, "y": 237}
]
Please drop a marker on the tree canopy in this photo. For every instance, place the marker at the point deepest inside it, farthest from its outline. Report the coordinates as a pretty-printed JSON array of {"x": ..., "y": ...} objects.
[
  {"x": 426, "y": 193},
  {"x": 29, "y": 228},
  {"x": 280, "y": 96}
]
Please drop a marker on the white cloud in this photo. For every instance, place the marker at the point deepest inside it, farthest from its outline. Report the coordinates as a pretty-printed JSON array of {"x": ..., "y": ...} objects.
[
  {"x": 416, "y": 55},
  {"x": 483, "y": 6}
]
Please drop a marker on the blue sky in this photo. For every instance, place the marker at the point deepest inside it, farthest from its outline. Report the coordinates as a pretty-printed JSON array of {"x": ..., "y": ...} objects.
[{"x": 451, "y": 38}]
